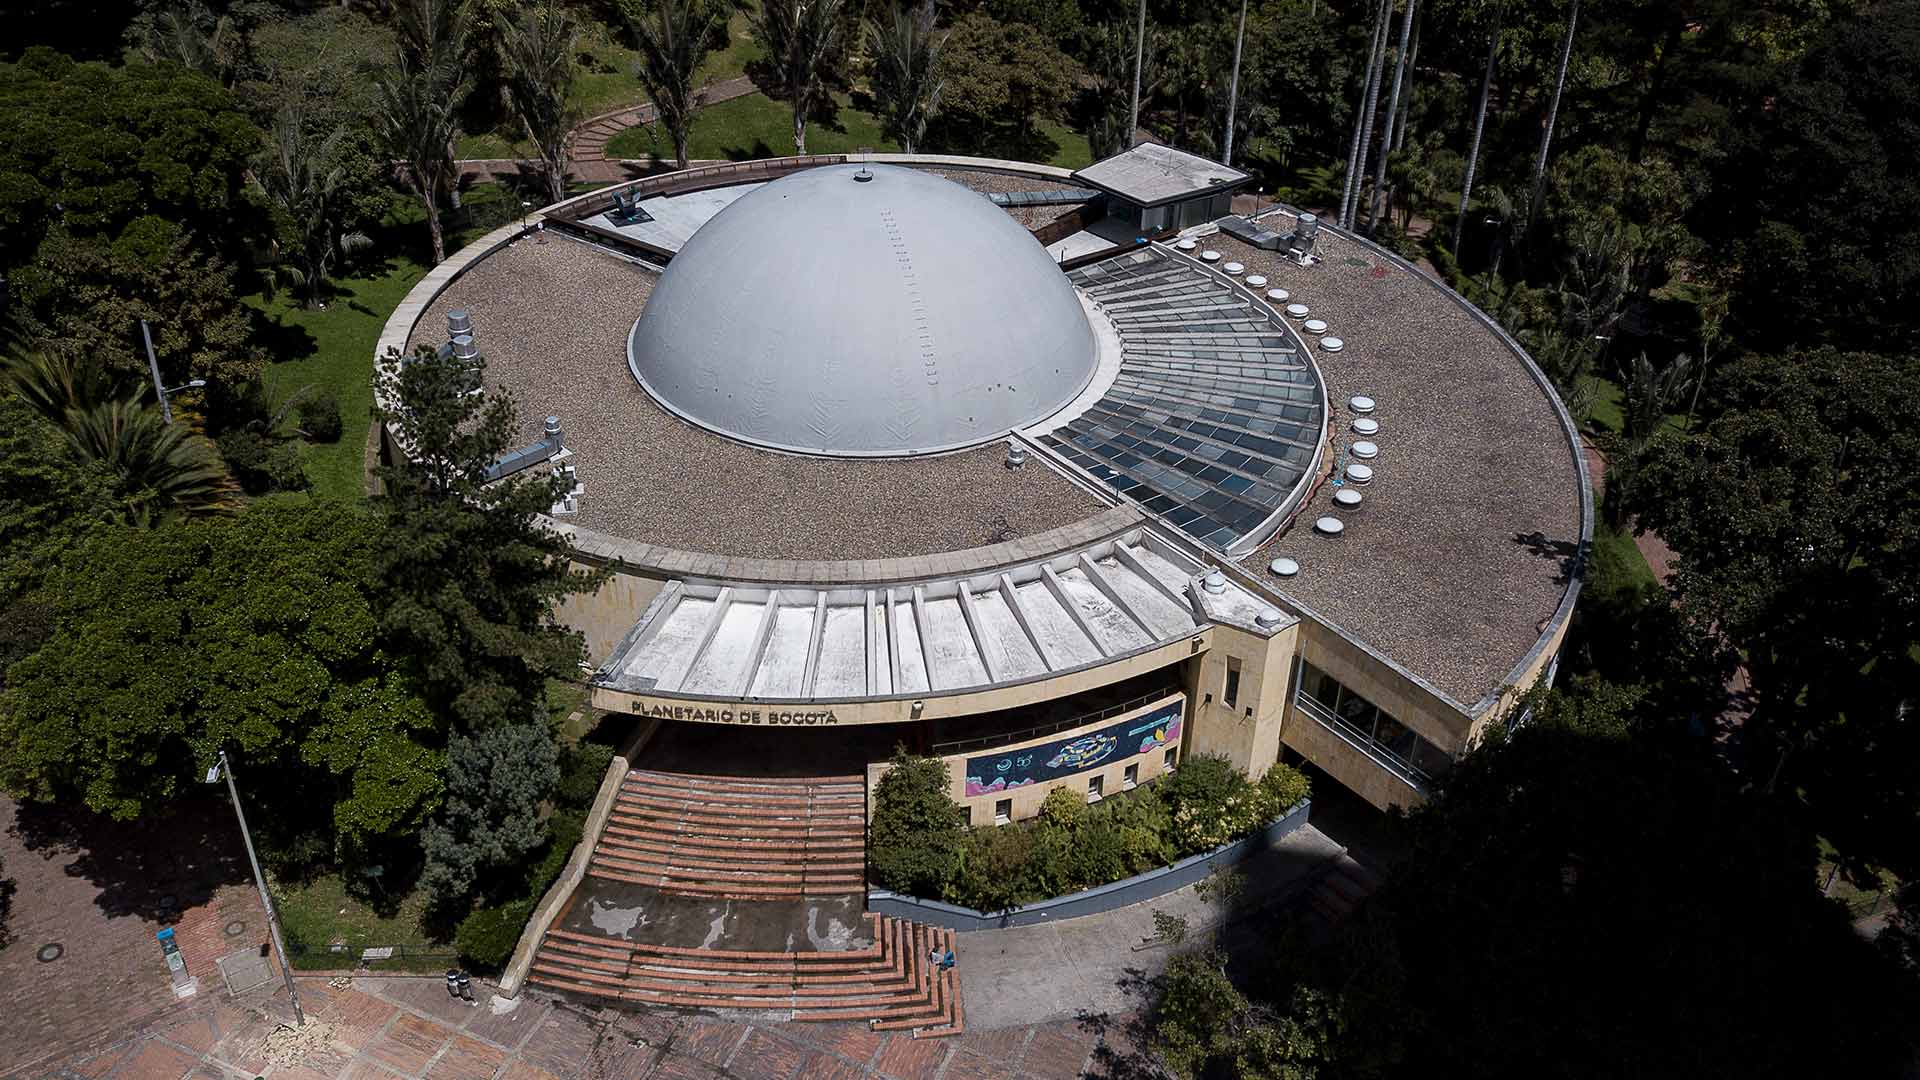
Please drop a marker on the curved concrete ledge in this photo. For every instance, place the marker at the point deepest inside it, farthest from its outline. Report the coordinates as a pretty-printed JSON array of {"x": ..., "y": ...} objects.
[{"x": 1129, "y": 891}]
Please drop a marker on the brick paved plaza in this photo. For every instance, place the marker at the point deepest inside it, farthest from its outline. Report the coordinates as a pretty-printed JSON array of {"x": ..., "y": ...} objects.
[{"x": 387, "y": 1028}]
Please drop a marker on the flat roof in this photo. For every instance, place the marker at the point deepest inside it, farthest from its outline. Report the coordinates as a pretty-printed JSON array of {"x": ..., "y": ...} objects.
[
  {"x": 553, "y": 318},
  {"x": 1456, "y": 560},
  {"x": 1150, "y": 174}
]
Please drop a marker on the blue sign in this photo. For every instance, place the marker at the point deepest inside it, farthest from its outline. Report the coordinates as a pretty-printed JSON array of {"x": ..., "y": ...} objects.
[{"x": 1076, "y": 753}]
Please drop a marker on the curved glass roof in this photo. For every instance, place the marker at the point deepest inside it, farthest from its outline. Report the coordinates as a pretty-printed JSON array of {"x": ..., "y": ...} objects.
[{"x": 1216, "y": 418}]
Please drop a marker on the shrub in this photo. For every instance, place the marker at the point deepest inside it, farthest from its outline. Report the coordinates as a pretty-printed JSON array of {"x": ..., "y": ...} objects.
[
  {"x": 487, "y": 937},
  {"x": 1063, "y": 806},
  {"x": 320, "y": 417},
  {"x": 582, "y": 768},
  {"x": 262, "y": 464},
  {"x": 996, "y": 868},
  {"x": 1280, "y": 789},
  {"x": 564, "y": 831},
  {"x": 916, "y": 834}
]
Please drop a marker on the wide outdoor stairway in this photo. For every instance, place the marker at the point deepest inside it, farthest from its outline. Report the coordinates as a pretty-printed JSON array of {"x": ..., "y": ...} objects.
[
  {"x": 891, "y": 984},
  {"x": 760, "y": 839}
]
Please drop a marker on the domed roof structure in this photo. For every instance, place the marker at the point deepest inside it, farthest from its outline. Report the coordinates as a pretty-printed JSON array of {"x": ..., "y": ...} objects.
[{"x": 863, "y": 311}]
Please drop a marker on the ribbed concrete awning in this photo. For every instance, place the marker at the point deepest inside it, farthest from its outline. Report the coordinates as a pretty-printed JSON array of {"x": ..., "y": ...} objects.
[{"x": 962, "y": 634}]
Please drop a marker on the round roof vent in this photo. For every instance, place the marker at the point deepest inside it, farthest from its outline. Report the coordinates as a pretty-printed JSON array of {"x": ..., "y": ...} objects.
[
  {"x": 902, "y": 316},
  {"x": 1255, "y": 281},
  {"x": 1329, "y": 526},
  {"x": 1267, "y": 620},
  {"x": 1365, "y": 451},
  {"x": 1298, "y": 311},
  {"x": 1234, "y": 268},
  {"x": 464, "y": 347},
  {"x": 1215, "y": 582},
  {"x": 1186, "y": 244},
  {"x": 1331, "y": 344},
  {"x": 1360, "y": 403},
  {"x": 459, "y": 321},
  {"x": 1210, "y": 256},
  {"x": 1279, "y": 296},
  {"x": 1364, "y": 426},
  {"x": 1359, "y": 474},
  {"x": 1284, "y": 567},
  {"x": 1347, "y": 498},
  {"x": 1315, "y": 326}
]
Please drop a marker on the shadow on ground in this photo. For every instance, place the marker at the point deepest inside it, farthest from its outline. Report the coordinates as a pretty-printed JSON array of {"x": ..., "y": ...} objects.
[{"x": 152, "y": 868}]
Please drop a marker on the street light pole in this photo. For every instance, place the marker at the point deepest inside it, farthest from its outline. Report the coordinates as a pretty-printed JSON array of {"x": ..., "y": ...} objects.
[
  {"x": 273, "y": 919},
  {"x": 166, "y": 410}
]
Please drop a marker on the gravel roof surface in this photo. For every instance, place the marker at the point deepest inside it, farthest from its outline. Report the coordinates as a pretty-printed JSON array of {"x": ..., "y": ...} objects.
[
  {"x": 552, "y": 320},
  {"x": 987, "y": 182},
  {"x": 1453, "y": 564}
]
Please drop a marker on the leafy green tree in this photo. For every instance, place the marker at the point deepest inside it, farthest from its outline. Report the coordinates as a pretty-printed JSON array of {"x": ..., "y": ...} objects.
[
  {"x": 674, "y": 38},
  {"x": 906, "y": 72},
  {"x": 915, "y": 836},
  {"x": 192, "y": 36},
  {"x": 471, "y": 572},
  {"x": 326, "y": 193},
  {"x": 539, "y": 48},
  {"x": 417, "y": 123},
  {"x": 803, "y": 43},
  {"x": 495, "y": 782},
  {"x": 998, "y": 78},
  {"x": 256, "y": 634}
]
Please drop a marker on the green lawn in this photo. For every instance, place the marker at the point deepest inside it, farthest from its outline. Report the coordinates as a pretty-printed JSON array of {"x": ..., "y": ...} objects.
[
  {"x": 757, "y": 126},
  {"x": 318, "y": 914},
  {"x": 332, "y": 349}
]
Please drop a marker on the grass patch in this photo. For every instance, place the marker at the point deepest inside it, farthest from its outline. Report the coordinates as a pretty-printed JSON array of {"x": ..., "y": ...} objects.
[
  {"x": 755, "y": 126},
  {"x": 1617, "y": 561},
  {"x": 321, "y": 913}
]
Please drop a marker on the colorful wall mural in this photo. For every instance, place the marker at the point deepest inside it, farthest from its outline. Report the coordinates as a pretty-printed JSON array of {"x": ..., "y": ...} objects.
[{"x": 1122, "y": 739}]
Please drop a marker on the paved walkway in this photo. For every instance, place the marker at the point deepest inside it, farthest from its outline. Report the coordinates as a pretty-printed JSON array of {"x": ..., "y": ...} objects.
[{"x": 589, "y": 141}]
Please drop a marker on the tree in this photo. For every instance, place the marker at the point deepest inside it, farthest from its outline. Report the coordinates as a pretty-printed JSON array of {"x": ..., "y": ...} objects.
[
  {"x": 802, "y": 41},
  {"x": 1479, "y": 122},
  {"x": 496, "y": 781},
  {"x": 470, "y": 572},
  {"x": 1376, "y": 205},
  {"x": 915, "y": 836},
  {"x": 193, "y": 37},
  {"x": 539, "y": 48},
  {"x": 416, "y": 122},
  {"x": 674, "y": 38},
  {"x": 1000, "y": 76},
  {"x": 323, "y": 193},
  {"x": 1795, "y": 517},
  {"x": 1553, "y": 111},
  {"x": 1117, "y": 59},
  {"x": 906, "y": 72},
  {"x": 1363, "y": 116},
  {"x": 255, "y": 634},
  {"x": 150, "y": 471}
]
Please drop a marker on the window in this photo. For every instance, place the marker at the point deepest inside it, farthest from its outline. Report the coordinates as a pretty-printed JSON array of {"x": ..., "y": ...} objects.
[
  {"x": 1095, "y": 786},
  {"x": 1003, "y": 811},
  {"x": 969, "y": 817},
  {"x": 1393, "y": 744},
  {"x": 1231, "y": 695},
  {"x": 1172, "y": 755},
  {"x": 1131, "y": 777}
]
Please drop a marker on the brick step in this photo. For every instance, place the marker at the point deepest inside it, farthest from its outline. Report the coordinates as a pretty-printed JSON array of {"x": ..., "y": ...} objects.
[
  {"x": 853, "y": 781},
  {"x": 736, "y": 831},
  {"x": 937, "y": 1011},
  {"x": 626, "y": 834},
  {"x": 743, "y": 794},
  {"x": 735, "y": 854},
  {"x": 729, "y": 891},
  {"x": 747, "y": 874},
  {"x": 742, "y": 811},
  {"x": 707, "y": 860},
  {"x": 556, "y": 954}
]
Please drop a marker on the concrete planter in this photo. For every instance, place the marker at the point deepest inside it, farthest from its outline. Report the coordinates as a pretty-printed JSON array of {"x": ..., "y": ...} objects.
[{"x": 1119, "y": 894}]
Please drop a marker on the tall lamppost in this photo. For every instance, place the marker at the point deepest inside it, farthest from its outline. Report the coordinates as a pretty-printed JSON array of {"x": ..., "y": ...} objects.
[
  {"x": 166, "y": 408},
  {"x": 266, "y": 899}
]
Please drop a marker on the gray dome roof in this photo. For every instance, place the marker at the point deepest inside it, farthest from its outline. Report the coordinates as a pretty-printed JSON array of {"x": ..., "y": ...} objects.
[{"x": 896, "y": 315}]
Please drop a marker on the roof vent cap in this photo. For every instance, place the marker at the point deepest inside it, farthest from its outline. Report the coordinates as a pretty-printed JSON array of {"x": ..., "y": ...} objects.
[
  {"x": 1364, "y": 426},
  {"x": 1359, "y": 474},
  {"x": 1215, "y": 582},
  {"x": 1314, "y": 326},
  {"x": 1347, "y": 499},
  {"x": 459, "y": 321},
  {"x": 464, "y": 347},
  {"x": 1279, "y": 296},
  {"x": 1284, "y": 567},
  {"x": 864, "y": 176},
  {"x": 1329, "y": 526},
  {"x": 1365, "y": 450},
  {"x": 1360, "y": 404},
  {"x": 1016, "y": 454},
  {"x": 1331, "y": 344},
  {"x": 1267, "y": 620}
]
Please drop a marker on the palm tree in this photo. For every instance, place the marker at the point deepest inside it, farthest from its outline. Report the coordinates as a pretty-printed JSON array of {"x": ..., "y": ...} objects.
[
  {"x": 1393, "y": 106},
  {"x": 1553, "y": 112},
  {"x": 1139, "y": 63},
  {"x": 432, "y": 42},
  {"x": 673, "y": 37},
  {"x": 1233, "y": 87},
  {"x": 161, "y": 470},
  {"x": 800, "y": 37},
  {"x": 193, "y": 37},
  {"x": 415, "y": 119},
  {"x": 1113, "y": 64},
  {"x": 906, "y": 73},
  {"x": 1363, "y": 117},
  {"x": 539, "y": 49},
  {"x": 1479, "y": 124},
  {"x": 304, "y": 181}
]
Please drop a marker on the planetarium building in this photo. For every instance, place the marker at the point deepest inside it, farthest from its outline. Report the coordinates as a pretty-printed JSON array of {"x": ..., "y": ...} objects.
[{"x": 1061, "y": 477}]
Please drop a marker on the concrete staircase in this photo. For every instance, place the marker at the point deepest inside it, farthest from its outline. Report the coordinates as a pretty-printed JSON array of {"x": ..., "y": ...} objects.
[
  {"x": 891, "y": 984},
  {"x": 1341, "y": 889},
  {"x": 759, "y": 839}
]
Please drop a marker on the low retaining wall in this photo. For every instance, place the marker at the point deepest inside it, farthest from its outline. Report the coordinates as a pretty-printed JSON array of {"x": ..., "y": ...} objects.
[
  {"x": 563, "y": 886},
  {"x": 1133, "y": 890}
]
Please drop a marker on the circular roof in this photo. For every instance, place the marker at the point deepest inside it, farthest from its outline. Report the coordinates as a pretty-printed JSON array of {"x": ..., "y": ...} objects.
[{"x": 892, "y": 315}]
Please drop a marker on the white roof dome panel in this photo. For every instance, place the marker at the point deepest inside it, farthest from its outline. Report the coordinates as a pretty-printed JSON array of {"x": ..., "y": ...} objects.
[{"x": 900, "y": 314}]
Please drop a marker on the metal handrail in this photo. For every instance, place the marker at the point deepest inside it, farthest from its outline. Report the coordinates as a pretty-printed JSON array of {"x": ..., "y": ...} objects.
[
  {"x": 1404, "y": 771},
  {"x": 957, "y": 745}
]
